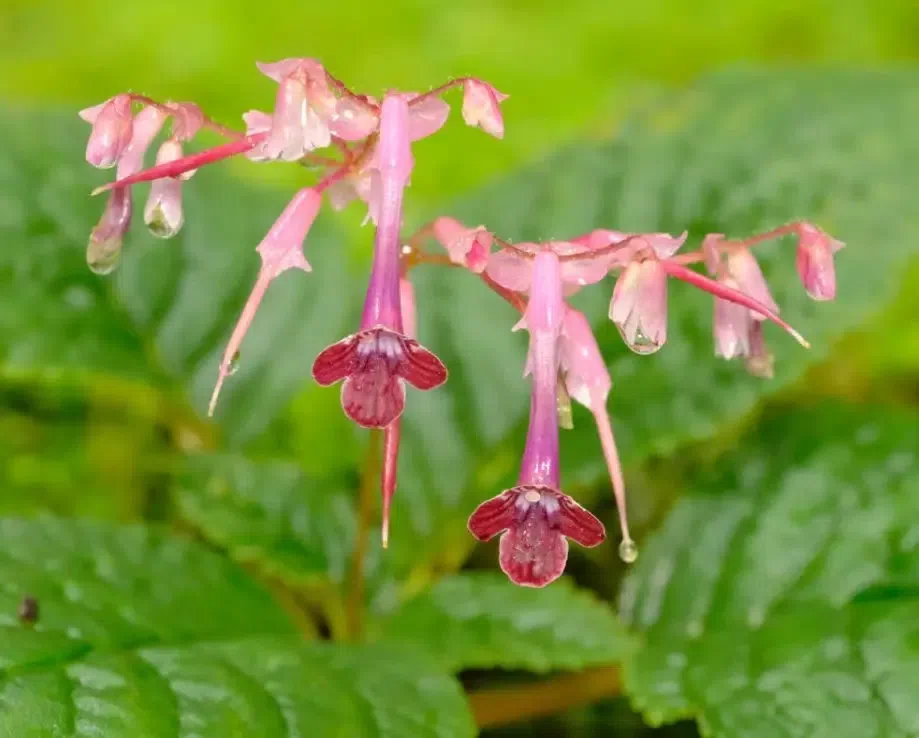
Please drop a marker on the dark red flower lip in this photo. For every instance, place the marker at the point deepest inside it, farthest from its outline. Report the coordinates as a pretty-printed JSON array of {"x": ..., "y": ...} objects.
[
  {"x": 535, "y": 522},
  {"x": 374, "y": 365}
]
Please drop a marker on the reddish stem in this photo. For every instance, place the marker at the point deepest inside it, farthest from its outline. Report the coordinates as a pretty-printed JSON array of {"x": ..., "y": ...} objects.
[
  {"x": 208, "y": 121},
  {"x": 768, "y": 235},
  {"x": 187, "y": 163},
  {"x": 727, "y": 293},
  {"x": 439, "y": 90}
]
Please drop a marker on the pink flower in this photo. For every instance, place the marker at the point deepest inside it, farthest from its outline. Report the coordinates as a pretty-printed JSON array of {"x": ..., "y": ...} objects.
[
  {"x": 355, "y": 118},
  {"x": 469, "y": 247},
  {"x": 163, "y": 212},
  {"x": 111, "y": 133},
  {"x": 187, "y": 120},
  {"x": 303, "y": 108},
  {"x": 588, "y": 382},
  {"x": 427, "y": 115},
  {"x": 733, "y": 323},
  {"x": 482, "y": 107},
  {"x": 535, "y": 518},
  {"x": 280, "y": 250},
  {"x": 759, "y": 362},
  {"x": 639, "y": 306},
  {"x": 742, "y": 267},
  {"x": 512, "y": 268},
  {"x": 375, "y": 363},
  {"x": 107, "y": 238},
  {"x": 815, "y": 262}
]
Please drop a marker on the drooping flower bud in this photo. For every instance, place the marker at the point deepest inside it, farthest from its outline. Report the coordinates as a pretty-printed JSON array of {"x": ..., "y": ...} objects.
[
  {"x": 732, "y": 326},
  {"x": 303, "y": 107},
  {"x": 482, "y": 107},
  {"x": 107, "y": 238},
  {"x": 639, "y": 306},
  {"x": 469, "y": 247},
  {"x": 815, "y": 262},
  {"x": 760, "y": 362},
  {"x": 163, "y": 212},
  {"x": 588, "y": 381},
  {"x": 742, "y": 266},
  {"x": 111, "y": 132},
  {"x": 280, "y": 250}
]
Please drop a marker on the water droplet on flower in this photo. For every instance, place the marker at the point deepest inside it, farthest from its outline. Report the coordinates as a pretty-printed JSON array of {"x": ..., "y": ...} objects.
[
  {"x": 159, "y": 224},
  {"x": 102, "y": 256},
  {"x": 628, "y": 551},
  {"x": 233, "y": 366},
  {"x": 642, "y": 344}
]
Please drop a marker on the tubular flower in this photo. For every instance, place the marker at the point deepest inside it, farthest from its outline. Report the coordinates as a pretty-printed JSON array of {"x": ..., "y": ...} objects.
[
  {"x": 376, "y": 361},
  {"x": 535, "y": 518}
]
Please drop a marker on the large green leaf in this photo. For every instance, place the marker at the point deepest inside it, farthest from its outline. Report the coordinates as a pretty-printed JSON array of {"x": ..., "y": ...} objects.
[
  {"x": 477, "y": 620},
  {"x": 270, "y": 514},
  {"x": 68, "y": 451},
  {"x": 780, "y": 596},
  {"x": 143, "y": 636}
]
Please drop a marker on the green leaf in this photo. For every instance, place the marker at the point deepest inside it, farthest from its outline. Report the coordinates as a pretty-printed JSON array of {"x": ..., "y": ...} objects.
[
  {"x": 477, "y": 620},
  {"x": 780, "y": 596},
  {"x": 270, "y": 514},
  {"x": 66, "y": 451},
  {"x": 144, "y": 636}
]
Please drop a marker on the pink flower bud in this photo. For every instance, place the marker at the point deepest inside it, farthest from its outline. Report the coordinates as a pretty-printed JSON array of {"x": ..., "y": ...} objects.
[
  {"x": 815, "y": 262},
  {"x": 742, "y": 266},
  {"x": 639, "y": 306},
  {"x": 107, "y": 238},
  {"x": 187, "y": 120},
  {"x": 303, "y": 107},
  {"x": 482, "y": 107},
  {"x": 469, "y": 247},
  {"x": 732, "y": 326},
  {"x": 281, "y": 249},
  {"x": 586, "y": 376},
  {"x": 147, "y": 124},
  {"x": 163, "y": 212},
  {"x": 760, "y": 362},
  {"x": 111, "y": 132},
  {"x": 711, "y": 250}
]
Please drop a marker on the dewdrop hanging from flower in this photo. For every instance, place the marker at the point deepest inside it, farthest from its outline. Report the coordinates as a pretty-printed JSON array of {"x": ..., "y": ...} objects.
[{"x": 362, "y": 148}]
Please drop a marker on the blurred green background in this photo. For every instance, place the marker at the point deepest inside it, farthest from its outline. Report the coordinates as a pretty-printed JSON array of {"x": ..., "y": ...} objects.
[
  {"x": 571, "y": 68},
  {"x": 574, "y": 71}
]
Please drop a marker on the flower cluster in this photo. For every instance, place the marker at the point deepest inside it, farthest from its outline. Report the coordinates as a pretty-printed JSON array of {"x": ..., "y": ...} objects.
[{"x": 363, "y": 148}]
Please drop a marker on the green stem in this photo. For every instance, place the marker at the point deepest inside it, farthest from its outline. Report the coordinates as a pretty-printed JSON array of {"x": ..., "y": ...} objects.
[{"x": 355, "y": 606}]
